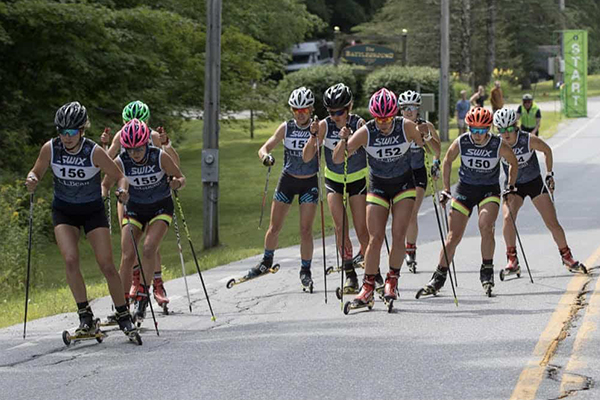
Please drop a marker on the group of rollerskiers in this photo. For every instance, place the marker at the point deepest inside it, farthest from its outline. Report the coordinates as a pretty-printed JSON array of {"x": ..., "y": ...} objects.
[
  {"x": 393, "y": 152},
  {"x": 377, "y": 167}
]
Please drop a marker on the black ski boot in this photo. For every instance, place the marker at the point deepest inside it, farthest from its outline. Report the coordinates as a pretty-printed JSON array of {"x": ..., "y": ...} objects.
[
  {"x": 411, "y": 257},
  {"x": 260, "y": 269},
  {"x": 379, "y": 283},
  {"x": 351, "y": 284},
  {"x": 486, "y": 276},
  {"x": 306, "y": 280},
  {"x": 358, "y": 261},
  {"x": 438, "y": 279},
  {"x": 126, "y": 325},
  {"x": 141, "y": 304},
  {"x": 87, "y": 325}
]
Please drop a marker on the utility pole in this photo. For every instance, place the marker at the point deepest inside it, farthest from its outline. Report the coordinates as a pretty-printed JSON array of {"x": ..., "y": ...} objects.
[
  {"x": 210, "y": 152},
  {"x": 404, "y": 47},
  {"x": 443, "y": 98},
  {"x": 563, "y": 26}
]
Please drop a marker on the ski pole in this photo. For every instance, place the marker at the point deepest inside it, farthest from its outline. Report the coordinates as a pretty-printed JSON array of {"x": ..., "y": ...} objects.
[
  {"x": 387, "y": 246},
  {"x": 519, "y": 238},
  {"x": 189, "y": 238},
  {"x": 444, "y": 220},
  {"x": 181, "y": 259},
  {"x": 108, "y": 208},
  {"x": 28, "y": 263},
  {"x": 139, "y": 260},
  {"x": 344, "y": 206},
  {"x": 264, "y": 199},
  {"x": 319, "y": 186}
]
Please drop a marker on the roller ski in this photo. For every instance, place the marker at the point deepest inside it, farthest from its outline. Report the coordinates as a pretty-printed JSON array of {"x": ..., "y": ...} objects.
[
  {"x": 89, "y": 329},
  {"x": 351, "y": 284},
  {"x": 486, "y": 276},
  {"x": 306, "y": 280},
  {"x": 391, "y": 288},
  {"x": 571, "y": 264},
  {"x": 261, "y": 269},
  {"x": 512, "y": 267},
  {"x": 364, "y": 298},
  {"x": 358, "y": 262},
  {"x": 411, "y": 257},
  {"x": 142, "y": 300},
  {"x": 435, "y": 284},
  {"x": 160, "y": 295},
  {"x": 125, "y": 323}
]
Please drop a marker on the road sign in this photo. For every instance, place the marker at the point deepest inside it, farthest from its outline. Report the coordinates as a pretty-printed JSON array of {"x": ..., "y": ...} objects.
[
  {"x": 368, "y": 54},
  {"x": 576, "y": 61}
]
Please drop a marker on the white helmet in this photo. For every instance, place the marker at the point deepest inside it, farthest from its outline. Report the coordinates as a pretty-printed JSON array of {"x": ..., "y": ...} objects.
[
  {"x": 409, "y": 97},
  {"x": 301, "y": 98},
  {"x": 505, "y": 117}
]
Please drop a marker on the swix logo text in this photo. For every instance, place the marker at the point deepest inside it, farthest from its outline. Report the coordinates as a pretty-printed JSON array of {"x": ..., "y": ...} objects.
[
  {"x": 72, "y": 160},
  {"x": 299, "y": 134},
  {"x": 387, "y": 141},
  {"x": 479, "y": 152},
  {"x": 146, "y": 169},
  {"x": 518, "y": 150}
]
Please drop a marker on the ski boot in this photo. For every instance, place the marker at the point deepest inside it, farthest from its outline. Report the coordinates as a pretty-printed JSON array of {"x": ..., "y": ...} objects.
[
  {"x": 141, "y": 304},
  {"x": 391, "y": 288},
  {"x": 570, "y": 263},
  {"x": 351, "y": 284},
  {"x": 160, "y": 295},
  {"x": 379, "y": 284},
  {"x": 364, "y": 298},
  {"x": 262, "y": 268},
  {"x": 512, "y": 267},
  {"x": 411, "y": 257},
  {"x": 486, "y": 276},
  {"x": 306, "y": 280},
  {"x": 359, "y": 261},
  {"x": 135, "y": 283},
  {"x": 89, "y": 328},
  {"x": 435, "y": 284},
  {"x": 126, "y": 325}
]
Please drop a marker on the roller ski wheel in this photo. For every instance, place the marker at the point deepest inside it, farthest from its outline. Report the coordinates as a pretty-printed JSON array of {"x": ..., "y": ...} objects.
[
  {"x": 506, "y": 272},
  {"x": 81, "y": 335},
  {"x": 487, "y": 287},
  {"x": 426, "y": 291},
  {"x": 135, "y": 337},
  {"x": 338, "y": 293},
  {"x": 357, "y": 305},
  {"x": 389, "y": 303},
  {"x": 331, "y": 270},
  {"x": 306, "y": 280},
  {"x": 309, "y": 288},
  {"x": 577, "y": 268},
  {"x": 66, "y": 337},
  {"x": 233, "y": 281},
  {"x": 412, "y": 267}
]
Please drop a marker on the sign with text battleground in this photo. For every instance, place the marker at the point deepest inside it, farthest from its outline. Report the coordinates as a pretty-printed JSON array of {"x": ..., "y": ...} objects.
[
  {"x": 576, "y": 62},
  {"x": 368, "y": 54}
]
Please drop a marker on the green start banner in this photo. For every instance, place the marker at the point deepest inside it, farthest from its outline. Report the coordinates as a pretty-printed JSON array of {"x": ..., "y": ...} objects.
[{"x": 576, "y": 63}]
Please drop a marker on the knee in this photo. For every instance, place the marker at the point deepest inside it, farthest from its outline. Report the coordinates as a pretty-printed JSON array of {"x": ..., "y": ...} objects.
[
  {"x": 486, "y": 230},
  {"x": 306, "y": 232},
  {"x": 72, "y": 262},
  {"x": 274, "y": 229},
  {"x": 108, "y": 268},
  {"x": 149, "y": 251},
  {"x": 376, "y": 239},
  {"x": 128, "y": 257}
]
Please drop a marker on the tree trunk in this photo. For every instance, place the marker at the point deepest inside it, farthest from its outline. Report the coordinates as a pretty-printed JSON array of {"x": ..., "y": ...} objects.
[
  {"x": 491, "y": 40},
  {"x": 465, "y": 41}
]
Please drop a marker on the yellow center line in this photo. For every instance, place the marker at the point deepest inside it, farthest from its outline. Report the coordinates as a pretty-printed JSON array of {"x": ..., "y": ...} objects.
[{"x": 533, "y": 373}]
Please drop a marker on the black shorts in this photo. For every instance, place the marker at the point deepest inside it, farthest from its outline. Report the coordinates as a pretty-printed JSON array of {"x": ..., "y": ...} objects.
[
  {"x": 307, "y": 189},
  {"x": 386, "y": 192},
  {"x": 352, "y": 188},
  {"x": 466, "y": 197},
  {"x": 141, "y": 215},
  {"x": 532, "y": 188},
  {"x": 420, "y": 176},
  {"x": 89, "y": 215}
]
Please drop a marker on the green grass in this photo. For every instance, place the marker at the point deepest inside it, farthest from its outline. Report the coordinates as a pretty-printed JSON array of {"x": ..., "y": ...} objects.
[
  {"x": 545, "y": 91},
  {"x": 242, "y": 179}
]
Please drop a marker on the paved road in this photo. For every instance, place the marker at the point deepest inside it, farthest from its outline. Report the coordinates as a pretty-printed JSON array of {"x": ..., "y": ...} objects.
[{"x": 271, "y": 340}]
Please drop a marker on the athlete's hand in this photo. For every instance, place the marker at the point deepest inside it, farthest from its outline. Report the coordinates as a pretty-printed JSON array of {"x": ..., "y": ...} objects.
[
  {"x": 550, "y": 181},
  {"x": 122, "y": 195},
  {"x": 314, "y": 126},
  {"x": 268, "y": 160},
  {"x": 164, "y": 138},
  {"x": 105, "y": 137},
  {"x": 435, "y": 169},
  {"x": 510, "y": 189},
  {"x": 420, "y": 121},
  {"x": 445, "y": 195},
  {"x": 175, "y": 184},
  {"x": 344, "y": 133},
  {"x": 31, "y": 182}
]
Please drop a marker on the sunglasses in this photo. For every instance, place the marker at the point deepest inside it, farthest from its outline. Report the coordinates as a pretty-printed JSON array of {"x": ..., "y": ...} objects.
[
  {"x": 136, "y": 150},
  {"x": 337, "y": 113},
  {"x": 504, "y": 130},
  {"x": 70, "y": 132},
  {"x": 479, "y": 131},
  {"x": 301, "y": 110},
  {"x": 409, "y": 108},
  {"x": 383, "y": 120}
]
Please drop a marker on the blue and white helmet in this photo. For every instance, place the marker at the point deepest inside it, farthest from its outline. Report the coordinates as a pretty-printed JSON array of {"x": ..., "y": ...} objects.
[
  {"x": 301, "y": 98},
  {"x": 505, "y": 117}
]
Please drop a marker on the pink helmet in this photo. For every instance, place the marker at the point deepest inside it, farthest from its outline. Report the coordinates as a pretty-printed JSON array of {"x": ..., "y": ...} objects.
[
  {"x": 135, "y": 133},
  {"x": 383, "y": 104}
]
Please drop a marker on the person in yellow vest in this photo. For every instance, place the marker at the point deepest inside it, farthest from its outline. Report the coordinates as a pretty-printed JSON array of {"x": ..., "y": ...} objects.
[{"x": 530, "y": 115}]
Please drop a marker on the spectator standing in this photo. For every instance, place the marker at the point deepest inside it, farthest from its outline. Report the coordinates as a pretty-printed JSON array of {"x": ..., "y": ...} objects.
[
  {"x": 478, "y": 97},
  {"x": 462, "y": 107},
  {"x": 496, "y": 97},
  {"x": 530, "y": 115}
]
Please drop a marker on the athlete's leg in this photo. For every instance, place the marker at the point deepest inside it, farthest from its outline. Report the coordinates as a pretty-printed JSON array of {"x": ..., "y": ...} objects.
[
  {"x": 128, "y": 256},
  {"x": 358, "y": 206},
  {"x": 545, "y": 207},
  {"x": 155, "y": 233},
  {"x": 413, "y": 227},
  {"x": 336, "y": 207},
  {"x": 488, "y": 213},
  {"x": 377, "y": 216},
  {"x": 401, "y": 213},
  {"x": 457, "y": 224},
  {"x": 508, "y": 229},
  {"x": 67, "y": 238},
  {"x": 307, "y": 217},
  {"x": 279, "y": 211},
  {"x": 99, "y": 239}
]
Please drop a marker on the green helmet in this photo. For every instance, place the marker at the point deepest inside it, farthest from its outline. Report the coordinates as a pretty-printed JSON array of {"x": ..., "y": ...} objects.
[{"x": 136, "y": 109}]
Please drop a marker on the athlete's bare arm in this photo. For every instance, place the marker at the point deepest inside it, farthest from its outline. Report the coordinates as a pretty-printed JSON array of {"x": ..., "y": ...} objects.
[
  {"x": 172, "y": 170},
  {"x": 355, "y": 141},
  {"x": 112, "y": 171},
  {"x": 451, "y": 154},
  {"x": 310, "y": 148},
  {"x": 538, "y": 144},
  {"x": 272, "y": 141},
  {"x": 39, "y": 168},
  {"x": 507, "y": 153},
  {"x": 413, "y": 134}
]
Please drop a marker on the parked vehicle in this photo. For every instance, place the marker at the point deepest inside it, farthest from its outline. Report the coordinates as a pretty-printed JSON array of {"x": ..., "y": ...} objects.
[{"x": 310, "y": 54}]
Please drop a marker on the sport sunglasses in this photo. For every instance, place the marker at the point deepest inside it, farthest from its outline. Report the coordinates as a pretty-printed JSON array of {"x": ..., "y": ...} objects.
[
  {"x": 479, "y": 131},
  {"x": 70, "y": 132},
  {"x": 504, "y": 130},
  {"x": 409, "y": 108},
  {"x": 337, "y": 113}
]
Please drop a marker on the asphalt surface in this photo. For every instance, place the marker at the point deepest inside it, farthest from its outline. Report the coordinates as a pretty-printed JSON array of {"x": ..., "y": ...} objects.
[{"x": 272, "y": 341}]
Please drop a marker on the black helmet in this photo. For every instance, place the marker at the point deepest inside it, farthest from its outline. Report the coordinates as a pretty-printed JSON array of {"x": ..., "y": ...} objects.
[
  {"x": 71, "y": 116},
  {"x": 337, "y": 96}
]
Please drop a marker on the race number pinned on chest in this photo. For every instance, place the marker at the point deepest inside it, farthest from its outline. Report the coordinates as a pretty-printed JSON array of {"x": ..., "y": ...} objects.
[{"x": 482, "y": 159}]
